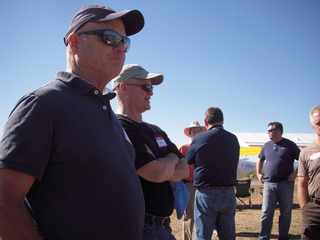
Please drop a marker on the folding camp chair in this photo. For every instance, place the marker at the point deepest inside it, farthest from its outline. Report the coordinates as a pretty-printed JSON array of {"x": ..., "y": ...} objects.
[{"x": 243, "y": 192}]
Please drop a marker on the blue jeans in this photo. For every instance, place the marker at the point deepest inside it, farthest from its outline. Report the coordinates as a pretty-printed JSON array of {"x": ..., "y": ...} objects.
[
  {"x": 152, "y": 232},
  {"x": 215, "y": 209},
  {"x": 273, "y": 193}
]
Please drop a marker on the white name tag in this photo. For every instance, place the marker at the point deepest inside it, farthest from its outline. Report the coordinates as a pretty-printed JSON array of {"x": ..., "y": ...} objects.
[
  {"x": 314, "y": 156},
  {"x": 161, "y": 142}
]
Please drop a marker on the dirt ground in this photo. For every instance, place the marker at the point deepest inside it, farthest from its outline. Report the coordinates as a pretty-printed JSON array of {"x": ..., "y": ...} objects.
[{"x": 248, "y": 219}]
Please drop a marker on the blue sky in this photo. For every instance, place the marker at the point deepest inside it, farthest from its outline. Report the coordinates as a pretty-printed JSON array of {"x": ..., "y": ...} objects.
[{"x": 259, "y": 61}]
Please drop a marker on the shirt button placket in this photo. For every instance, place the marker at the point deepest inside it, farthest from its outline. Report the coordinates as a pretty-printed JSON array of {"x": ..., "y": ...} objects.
[{"x": 96, "y": 92}]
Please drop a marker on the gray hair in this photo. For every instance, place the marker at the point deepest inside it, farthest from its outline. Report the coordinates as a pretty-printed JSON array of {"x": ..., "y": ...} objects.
[{"x": 312, "y": 111}]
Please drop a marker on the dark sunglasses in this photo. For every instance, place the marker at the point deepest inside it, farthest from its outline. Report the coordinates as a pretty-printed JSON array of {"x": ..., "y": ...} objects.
[
  {"x": 110, "y": 37},
  {"x": 271, "y": 130},
  {"x": 145, "y": 87}
]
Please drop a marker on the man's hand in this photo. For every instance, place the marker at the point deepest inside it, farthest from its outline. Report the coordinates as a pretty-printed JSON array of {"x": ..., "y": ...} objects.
[
  {"x": 260, "y": 177},
  {"x": 292, "y": 176},
  {"x": 181, "y": 171}
]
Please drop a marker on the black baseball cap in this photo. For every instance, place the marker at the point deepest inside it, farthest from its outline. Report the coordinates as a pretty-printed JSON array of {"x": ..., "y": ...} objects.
[{"x": 133, "y": 19}]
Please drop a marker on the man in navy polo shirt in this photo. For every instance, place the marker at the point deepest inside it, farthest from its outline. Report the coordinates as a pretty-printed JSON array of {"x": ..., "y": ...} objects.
[
  {"x": 63, "y": 150},
  {"x": 215, "y": 155},
  {"x": 277, "y": 156}
]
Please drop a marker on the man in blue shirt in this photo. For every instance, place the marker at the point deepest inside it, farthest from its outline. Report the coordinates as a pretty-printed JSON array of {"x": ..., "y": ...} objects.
[
  {"x": 215, "y": 155},
  {"x": 279, "y": 155},
  {"x": 64, "y": 152}
]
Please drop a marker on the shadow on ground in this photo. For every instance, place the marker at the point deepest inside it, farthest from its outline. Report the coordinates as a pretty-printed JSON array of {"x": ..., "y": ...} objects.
[
  {"x": 255, "y": 235},
  {"x": 258, "y": 206}
]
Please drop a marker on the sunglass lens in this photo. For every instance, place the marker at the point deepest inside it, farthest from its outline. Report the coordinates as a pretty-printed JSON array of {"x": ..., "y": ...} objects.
[
  {"x": 147, "y": 88},
  {"x": 113, "y": 40}
]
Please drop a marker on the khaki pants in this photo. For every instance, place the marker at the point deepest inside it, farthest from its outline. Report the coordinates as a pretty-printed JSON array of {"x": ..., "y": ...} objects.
[
  {"x": 188, "y": 218},
  {"x": 310, "y": 221}
]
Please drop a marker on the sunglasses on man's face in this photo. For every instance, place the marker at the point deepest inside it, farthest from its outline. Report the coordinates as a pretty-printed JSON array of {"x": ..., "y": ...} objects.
[
  {"x": 145, "y": 87},
  {"x": 271, "y": 130},
  {"x": 110, "y": 37}
]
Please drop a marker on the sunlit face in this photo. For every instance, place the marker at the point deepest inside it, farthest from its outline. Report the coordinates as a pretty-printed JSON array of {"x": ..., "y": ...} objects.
[
  {"x": 274, "y": 133},
  {"x": 194, "y": 131},
  {"x": 95, "y": 55},
  {"x": 316, "y": 122},
  {"x": 137, "y": 98}
]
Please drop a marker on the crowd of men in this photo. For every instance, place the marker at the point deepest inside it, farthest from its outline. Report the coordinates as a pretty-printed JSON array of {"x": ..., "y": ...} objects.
[{"x": 70, "y": 168}]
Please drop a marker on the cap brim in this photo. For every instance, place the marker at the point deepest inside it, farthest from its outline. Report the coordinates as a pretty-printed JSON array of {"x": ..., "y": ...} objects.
[
  {"x": 135, "y": 71},
  {"x": 133, "y": 20},
  {"x": 156, "y": 79}
]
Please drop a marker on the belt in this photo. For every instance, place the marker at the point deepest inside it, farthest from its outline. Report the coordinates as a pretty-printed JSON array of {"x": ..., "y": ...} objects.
[
  {"x": 315, "y": 200},
  {"x": 214, "y": 187},
  {"x": 187, "y": 181},
  {"x": 158, "y": 221}
]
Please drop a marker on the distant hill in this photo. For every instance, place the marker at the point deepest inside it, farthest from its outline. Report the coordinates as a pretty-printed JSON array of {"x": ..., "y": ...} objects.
[{"x": 245, "y": 167}]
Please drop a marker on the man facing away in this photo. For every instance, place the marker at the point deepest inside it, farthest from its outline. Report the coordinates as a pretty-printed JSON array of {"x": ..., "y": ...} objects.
[
  {"x": 215, "y": 156},
  {"x": 158, "y": 161},
  {"x": 278, "y": 154},
  {"x": 309, "y": 182},
  {"x": 63, "y": 150},
  {"x": 188, "y": 217}
]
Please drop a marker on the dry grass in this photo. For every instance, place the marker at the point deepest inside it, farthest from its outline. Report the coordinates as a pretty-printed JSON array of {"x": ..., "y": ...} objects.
[{"x": 248, "y": 219}]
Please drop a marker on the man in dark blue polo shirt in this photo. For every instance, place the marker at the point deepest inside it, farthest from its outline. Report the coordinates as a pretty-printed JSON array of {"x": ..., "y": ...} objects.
[
  {"x": 277, "y": 157},
  {"x": 215, "y": 155},
  {"x": 63, "y": 150}
]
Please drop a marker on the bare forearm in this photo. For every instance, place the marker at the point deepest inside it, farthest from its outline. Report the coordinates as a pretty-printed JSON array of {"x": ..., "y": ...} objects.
[
  {"x": 181, "y": 171},
  {"x": 159, "y": 170},
  {"x": 169, "y": 166},
  {"x": 303, "y": 197},
  {"x": 259, "y": 169},
  {"x": 15, "y": 221},
  {"x": 17, "y": 224},
  {"x": 303, "y": 193}
]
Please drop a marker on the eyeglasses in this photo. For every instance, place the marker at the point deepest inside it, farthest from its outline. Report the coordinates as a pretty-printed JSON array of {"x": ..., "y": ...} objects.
[
  {"x": 110, "y": 37},
  {"x": 272, "y": 129},
  {"x": 145, "y": 87}
]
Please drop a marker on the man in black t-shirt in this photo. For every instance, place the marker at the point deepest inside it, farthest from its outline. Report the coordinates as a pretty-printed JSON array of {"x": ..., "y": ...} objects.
[{"x": 158, "y": 161}]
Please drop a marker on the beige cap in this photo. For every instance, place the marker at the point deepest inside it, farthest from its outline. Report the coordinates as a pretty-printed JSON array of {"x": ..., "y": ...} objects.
[
  {"x": 194, "y": 124},
  {"x": 135, "y": 71}
]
